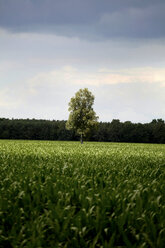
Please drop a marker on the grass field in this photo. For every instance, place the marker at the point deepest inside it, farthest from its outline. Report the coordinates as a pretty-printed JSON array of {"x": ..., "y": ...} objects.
[{"x": 63, "y": 194}]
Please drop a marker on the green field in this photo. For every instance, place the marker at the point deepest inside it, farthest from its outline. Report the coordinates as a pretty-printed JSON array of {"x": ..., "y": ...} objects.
[{"x": 63, "y": 194}]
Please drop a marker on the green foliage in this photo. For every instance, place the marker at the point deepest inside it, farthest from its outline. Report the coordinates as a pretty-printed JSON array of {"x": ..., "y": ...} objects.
[
  {"x": 114, "y": 131},
  {"x": 62, "y": 194},
  {"x": 82, "y": 117}
]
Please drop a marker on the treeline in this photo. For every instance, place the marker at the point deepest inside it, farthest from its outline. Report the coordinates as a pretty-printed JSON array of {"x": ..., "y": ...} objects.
[{"x": 115, "y": 131}]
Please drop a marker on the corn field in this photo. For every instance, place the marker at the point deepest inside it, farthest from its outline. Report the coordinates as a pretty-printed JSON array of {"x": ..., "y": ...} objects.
[{"x": 64, "y": 194}]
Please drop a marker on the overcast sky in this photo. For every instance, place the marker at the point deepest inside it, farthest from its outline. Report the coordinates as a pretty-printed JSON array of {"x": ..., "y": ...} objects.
[{"x": 49, "y": 49}]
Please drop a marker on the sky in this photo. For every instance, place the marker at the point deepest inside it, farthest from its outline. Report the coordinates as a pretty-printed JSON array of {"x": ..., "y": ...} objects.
[{"x": 49, "y": 49}]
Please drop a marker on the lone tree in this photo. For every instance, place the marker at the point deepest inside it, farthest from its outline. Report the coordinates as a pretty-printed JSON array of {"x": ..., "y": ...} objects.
[{"x": 82, "y": 117}]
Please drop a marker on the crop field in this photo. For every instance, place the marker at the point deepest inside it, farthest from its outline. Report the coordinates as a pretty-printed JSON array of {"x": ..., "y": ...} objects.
[{"x": 64, "y": 194}]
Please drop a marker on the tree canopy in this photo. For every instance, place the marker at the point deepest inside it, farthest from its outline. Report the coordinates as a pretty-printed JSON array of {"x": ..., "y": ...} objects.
[
  {"x": 82, "y": 117},
  {"x": 114, "y": 131}
]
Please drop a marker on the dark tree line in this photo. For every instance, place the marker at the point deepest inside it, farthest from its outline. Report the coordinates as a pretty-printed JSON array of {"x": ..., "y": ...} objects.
[{"x": 115, "y": 131}]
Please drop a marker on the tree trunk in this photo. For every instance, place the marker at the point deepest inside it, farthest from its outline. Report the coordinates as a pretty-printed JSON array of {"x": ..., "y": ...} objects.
[{"x": 81, "y": 139}]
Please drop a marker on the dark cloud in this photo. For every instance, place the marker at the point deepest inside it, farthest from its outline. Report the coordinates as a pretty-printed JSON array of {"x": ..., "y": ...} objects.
[{"x": 86, "y": 18}]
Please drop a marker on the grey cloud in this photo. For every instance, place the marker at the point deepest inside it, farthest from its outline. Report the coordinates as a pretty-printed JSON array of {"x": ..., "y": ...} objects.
[
  {"x": 135, "y": 22},
  {"x": 86, "y": 18},
  {"x": 46, "y": 52}
]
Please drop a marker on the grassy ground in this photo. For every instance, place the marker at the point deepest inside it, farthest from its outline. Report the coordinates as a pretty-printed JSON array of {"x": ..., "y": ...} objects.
[{"x": 63, "y": 194}]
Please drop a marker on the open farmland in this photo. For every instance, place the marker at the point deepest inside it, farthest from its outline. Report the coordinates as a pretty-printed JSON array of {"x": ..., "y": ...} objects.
[{"x": 63, "y": 194}]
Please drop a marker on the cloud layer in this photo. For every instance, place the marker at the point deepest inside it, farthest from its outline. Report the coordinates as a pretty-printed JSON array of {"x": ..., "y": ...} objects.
[
  {"x": 88, "y": 19},
  {"x": 51, "y": 48},
  {"x": 137, "y": 94}
]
